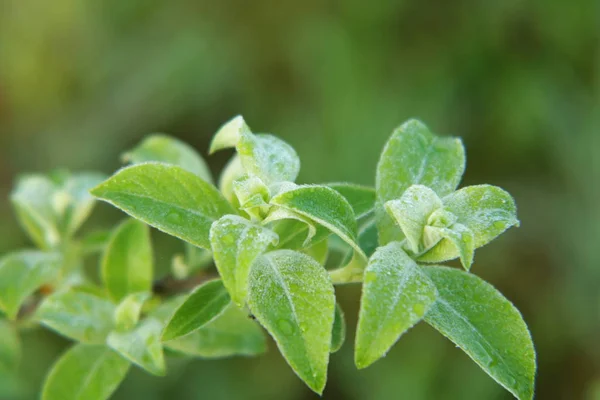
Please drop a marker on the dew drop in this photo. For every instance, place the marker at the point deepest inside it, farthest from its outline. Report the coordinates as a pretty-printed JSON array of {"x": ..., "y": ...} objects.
[
  {"x": 419, "y": 309},
  {"x": 499, "y": 225},
  {"x": 285, "y": 326},
  {"x": 370, "y": 277},
  {"x": 174, "y": 217}
]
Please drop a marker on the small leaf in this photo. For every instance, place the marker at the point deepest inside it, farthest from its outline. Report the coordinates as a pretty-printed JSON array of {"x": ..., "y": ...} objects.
[
  {"x": 202, "y": 306},
  {"x": 414, "y": 156},
  {"x": 232, "y": 171},
  {"x": 168, "y": 198},
  {"x": 141, "y": 346},
  {"x": 291, "y": 295},
  {"x": 127, "y": 263},
  {"x": 396, "y": 295},
  {"x": 361, "y": 198},
  {"x": 236, "y": 242},
  {"x": 229, "y": 134},
  {"x": 482, "y": 322},
  {"x": 460, "y": 237},
  {"x": 487, "y": 211},
  {"x": 338, "y": 335},
  {"x": 231, "y": 333},
  {"x": 412, "y": 212},
  {"x": 77, "y": 315},
  {"x": 268, "y": 157},
  {"x": 78, "y": 203},
  {"x": 163, "y": 148},
  {"x": 295, "y": 231},
  {"x": 21, "y": 274},
  {"x": 127, "y": 313},
  {"x": 326, "y": 207},
  {"x": 10, "y": 347},
  {"x": 85, "y": 372}
]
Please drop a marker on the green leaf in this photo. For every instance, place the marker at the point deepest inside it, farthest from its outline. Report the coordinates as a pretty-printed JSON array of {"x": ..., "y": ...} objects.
[
  {"x": 338, "y": 334},
  {"x": 10, "y": 347},
  {"x": 229, "y": 134},
  {"x": 295, "y": 231},
  {"x": 319, "y": 251},
  {"x": 326, "y": 207},
  {"x": 291, "y": 295},
  {"x": 77, "y": 203},
  {"x": 77, "y": 315},
  {"x": 460, "y": 237},
  {"x": 479, "y": 320},
  {"x": 231, "y": 333},
  {"x": 414, "y": 156},
  {"x": 21, "y": 274},
  {"x": 95, "y": 242},
  {"x": 127, "y": 313},
  {"x": 411, "y": 211},
  {"x": 163, "y": 148},
  {"x": 127, "y": 263},
  {"x": 395, "y": 296},
  {"x": 85, "y": 372},
  {"x": 232, "y": 171},
  {"x": 141, "y": 346},
  {"x": 487, "y": 211},
  {"x": 203, "y": 305},
  {"x": 236, "y": 242},
  {"x": 168, "y": 198},
  {"x": 361, "y": 198}
]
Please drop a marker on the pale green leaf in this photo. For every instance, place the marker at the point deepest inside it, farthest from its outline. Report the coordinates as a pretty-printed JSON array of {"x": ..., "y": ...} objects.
[
  {"x": 319, "y": 251},
  {"x": 268, "y": 157},
  {"x": 324, "y": 206},
  {"x": 361, "y": 198},
  {"x": 460, "y": 237},
  {"x": 127, "y": 263},
  {"x": 163, "y": 148},
  {"x": 487, "y": 211},
  {"x": 127, "y": 313},
  {"x": 141, "y": 346},
  {"x": 395, "y": 296},
  {"x": 236, "y": 242},
  {"x": 78, "y": 315},
  {"x": 85, "y": 372},
  {"x": 338, "y": 334},
  {"x": 231, "y": 333},
  {"x": 232, "y": 171},
  {"x": 95, "y": 242},
  {"x": 21, "y": 274},
  {"x": 411, "y": 211},
  {"x": 482, "y": 322},
  {"x": 168, "y": 198},
  {"x": 291, "y": 295},
  {"x": 229, "y": 134},
  {"x": 202, "y": 306},
  {"x": 414, "y": 156},
  {"x": 10, "y": 347},
  {"x": 73, "y": 202}
]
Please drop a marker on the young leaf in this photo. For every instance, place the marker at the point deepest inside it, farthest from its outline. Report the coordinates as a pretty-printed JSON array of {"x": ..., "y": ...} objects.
[
  {"x": 411, "y": 211},
  {"x": 229, "y": 134},
  {"x": 236, "y": 242},
  {"x": 232, "y": 171},
  {"x": 85, "y": 372},
  {"x": 460, "y": 237},
  {"x": 487, "y": 211},
  {"x": 77, "y": 203},
  {"x": 21, "y": 274},
  {"x": 414, "y": 156},
  {"x": 338, "y": 335},
  {"x": 479, "y": 320},
  {"x": 295, "y": 231},
  {"x": 326, "y": 207},
  {"x": 168, "y": 198},
  {"x": 163, "y": 148},
  {"x": 361, "y": 198},
  {"x": 396, "y": 295},
  {"x": 141, "y": 346},
  {"x": 319, "y": 251},
  {"x": 127, "y": 262},
  {"x": 78, "y": 315},
  {"x": 127, "y": 313},
  {"x": 291, "y": 295},
  {"x": 203, "y": 305},
  {"x": 231, "y": 333},
  {"x": 10, "y": 347}
]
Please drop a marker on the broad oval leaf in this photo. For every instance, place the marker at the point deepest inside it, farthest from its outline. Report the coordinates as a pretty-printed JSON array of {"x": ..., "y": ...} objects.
[
  {"x": 232, "y": 333},
  {"x": 78, "y": 315},
  {"x": 85, "y": 372},
  {"x": 268, "y": 157},
  {"x": 396, "y": 295},
  {"x": 487, "y": 211},
  {"x": 326, "y": 207},
  {"x": 203, "y": 305},
  {"x": 361, "y": 198},
  {"x": 414, "y": 156},
  {"x": 141, "y": 346},
  {"x": 168, "y": 198},
  {"x": 338, "y": 334},
  {"x": 21, "y": 274},
  {"x": 10, "y": 347},
  {"x": 164, "y": 148},
  {"x": 478, "y": 319},
  {"x": 236, "y": 242},
  {"x": 127, "y": 264},
  {"x": 291, "y": 295}
]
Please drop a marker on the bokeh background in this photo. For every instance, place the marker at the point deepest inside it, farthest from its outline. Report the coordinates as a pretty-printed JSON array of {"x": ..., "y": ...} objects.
[{"x": 81, "y": 81}]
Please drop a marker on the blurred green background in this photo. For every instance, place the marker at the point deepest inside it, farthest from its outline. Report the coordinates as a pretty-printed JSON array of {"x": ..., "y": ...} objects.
[{"x": 81, "y": 81}]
